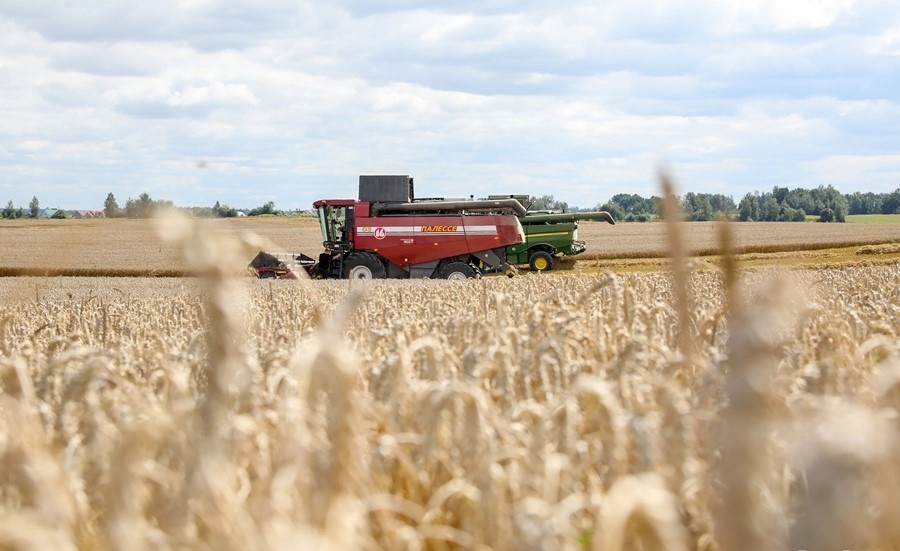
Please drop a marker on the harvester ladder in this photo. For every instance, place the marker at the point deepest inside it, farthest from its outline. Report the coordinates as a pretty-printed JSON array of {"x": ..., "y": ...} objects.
[{"x": 340, "y": 266}]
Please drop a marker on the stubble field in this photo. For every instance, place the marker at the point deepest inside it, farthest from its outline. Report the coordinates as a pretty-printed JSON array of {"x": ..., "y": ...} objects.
[
  {"x": 134, "y": 247},
  {"x": 714, "y": 409}
]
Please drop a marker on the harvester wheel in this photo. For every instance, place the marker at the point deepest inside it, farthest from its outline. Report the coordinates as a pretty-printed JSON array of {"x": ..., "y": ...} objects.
[
  {"x": 364, "y": 266},
  {"x": 457, "y": 271},
  {"x": 268, "y": 275},
  {"x": 541, "y": 261}
]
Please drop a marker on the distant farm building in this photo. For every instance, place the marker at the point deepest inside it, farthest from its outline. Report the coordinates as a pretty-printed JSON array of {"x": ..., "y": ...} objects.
[{"x": 89, "y": 214}]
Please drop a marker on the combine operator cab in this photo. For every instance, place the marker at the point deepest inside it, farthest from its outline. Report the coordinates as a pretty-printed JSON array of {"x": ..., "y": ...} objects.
[{"x": 336, "y": 220}]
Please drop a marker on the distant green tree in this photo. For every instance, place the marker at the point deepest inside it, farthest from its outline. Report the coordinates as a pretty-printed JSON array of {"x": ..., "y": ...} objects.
[
  {"x": 613, "y": 209},
  {"x": 826, "y": 215},
  {"x": 268, "y": 208},
  {"x": 631, "y": 203},
  {"x": 890, "y": 204},
  {"x": 786, "y": 213},
  {"x": 840, "y": 213},
  {"x": 142, "y": 207},
  {"x": 632, "y": 207},
  {"x": 703, "y": 210},
  {"x": 864, "y": 203},
  {"x": 111, "y": 207},
  {"x": 722, "y": 204},
  {"x": 780, "y": 194},
  {"x": 830, "y": 198},
  {"x": 59, "y": 215},
  {"x": 547, "y": 202},
  {"x": 770, "y": 209},
  {"x": 696, "y": 207},
  {"x": 224, "y": 211},
  {"x": 687, "y": 204},
  {"x": 655, "y": 204},
  {"x": 800, "y": 198},
  {"x": 642, "y": 217},
  {"x": 749, "y": 208},
  {"x": 34, "y": 207},
  {"x": 10, "y": 210}
]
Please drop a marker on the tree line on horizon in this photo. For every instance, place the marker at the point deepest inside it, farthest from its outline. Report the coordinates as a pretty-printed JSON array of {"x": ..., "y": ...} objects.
[
  {"x": 144, "y": 207},
  {"x": 779, "y": 205}
]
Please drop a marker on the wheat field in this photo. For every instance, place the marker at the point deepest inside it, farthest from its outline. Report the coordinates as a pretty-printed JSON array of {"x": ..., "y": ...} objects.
[
  {"x": 117, "y": 247},
  {"x": 716, "y": 409}
]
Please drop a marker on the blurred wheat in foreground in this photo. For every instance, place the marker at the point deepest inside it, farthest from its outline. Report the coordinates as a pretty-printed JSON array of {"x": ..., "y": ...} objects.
[{"x": 614, "y": 412}]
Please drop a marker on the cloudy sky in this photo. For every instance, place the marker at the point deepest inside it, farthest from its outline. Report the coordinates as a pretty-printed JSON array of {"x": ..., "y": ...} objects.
[{"x": 199, "y": 101}]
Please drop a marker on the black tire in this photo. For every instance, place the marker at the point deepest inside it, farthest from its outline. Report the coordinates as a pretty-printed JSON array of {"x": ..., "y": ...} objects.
[
  {"x": 541, "y": 261},
  {"x": 457, "y": 271},
  {"x": 268, "y": 275},
  {"x": 363, "y": 266}
]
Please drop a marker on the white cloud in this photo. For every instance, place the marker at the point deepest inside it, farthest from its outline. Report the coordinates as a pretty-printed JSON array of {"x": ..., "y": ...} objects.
[
  {"x": 886, "y": 43},
  {"x": 843, "y": 170},
  {"x": 35, "y": 146},
  {"x": 785, "y": 15},
  {"x": 217, "y": 94},
  {"x": 117, "y": 59}
]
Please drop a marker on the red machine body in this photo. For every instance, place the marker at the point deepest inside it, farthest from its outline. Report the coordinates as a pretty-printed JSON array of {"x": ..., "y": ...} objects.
[{"x": 406, "y": 240}]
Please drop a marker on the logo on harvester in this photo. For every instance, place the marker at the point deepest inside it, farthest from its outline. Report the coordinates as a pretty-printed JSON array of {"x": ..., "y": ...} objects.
[
  {"x": 438, "y": 229},
  {"x": 380, "y": 233}
]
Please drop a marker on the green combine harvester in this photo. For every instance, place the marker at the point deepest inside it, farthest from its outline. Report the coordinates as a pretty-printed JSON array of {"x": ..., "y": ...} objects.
[{"x": 548, "y": 234}]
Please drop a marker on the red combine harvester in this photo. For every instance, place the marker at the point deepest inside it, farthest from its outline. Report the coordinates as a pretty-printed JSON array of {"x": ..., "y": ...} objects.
[{"x": 388, "y": 233}]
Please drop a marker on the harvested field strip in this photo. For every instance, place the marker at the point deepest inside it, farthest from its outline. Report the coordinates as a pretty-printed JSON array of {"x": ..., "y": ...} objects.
[
  {"x": 90, "y": 272},
  {"x": 801, "y": 259},
  {"x": 750, "y": 249},
  {"x": 644, "y": 240},
  {"x": 886, "y": 248},
  {"x": 135, "y": 244},
  {"x": 814, "y": 257}
]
